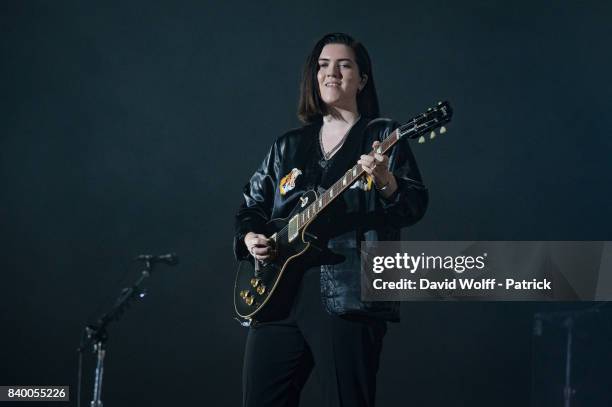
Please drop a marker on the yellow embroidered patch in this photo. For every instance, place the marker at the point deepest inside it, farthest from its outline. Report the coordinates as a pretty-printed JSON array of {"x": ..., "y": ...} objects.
[
  {"x": 364, "y": 183},
  {"x": 369, "y": 182},
  {"x": 287, "y": 183}
]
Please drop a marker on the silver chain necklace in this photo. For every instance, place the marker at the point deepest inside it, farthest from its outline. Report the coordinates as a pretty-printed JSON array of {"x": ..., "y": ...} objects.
[{"x": 331, "y": 152}]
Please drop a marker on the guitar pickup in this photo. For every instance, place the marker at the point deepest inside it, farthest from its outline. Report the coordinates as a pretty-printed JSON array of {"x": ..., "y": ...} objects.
[{"x": 293, "y": 228}]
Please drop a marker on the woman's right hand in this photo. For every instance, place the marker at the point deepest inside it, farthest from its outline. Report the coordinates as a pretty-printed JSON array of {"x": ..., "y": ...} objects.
[{"x": 259, "y": 246}]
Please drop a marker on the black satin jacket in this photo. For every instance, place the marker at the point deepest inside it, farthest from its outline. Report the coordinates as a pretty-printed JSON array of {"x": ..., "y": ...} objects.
[{"x": 359, "y": 215}]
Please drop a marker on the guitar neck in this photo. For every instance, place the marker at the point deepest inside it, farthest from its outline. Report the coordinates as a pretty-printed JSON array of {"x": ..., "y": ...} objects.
[
  {"x": 310, "y": 212},
  {"x": 432, "y": 119}
]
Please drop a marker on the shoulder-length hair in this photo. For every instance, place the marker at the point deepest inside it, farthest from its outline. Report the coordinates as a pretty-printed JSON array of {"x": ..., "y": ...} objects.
[{"x": 311, "y": 107}]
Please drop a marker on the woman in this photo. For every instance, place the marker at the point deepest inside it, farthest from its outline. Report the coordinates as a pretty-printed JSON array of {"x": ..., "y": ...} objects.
[{"x": 328, "y": 325}]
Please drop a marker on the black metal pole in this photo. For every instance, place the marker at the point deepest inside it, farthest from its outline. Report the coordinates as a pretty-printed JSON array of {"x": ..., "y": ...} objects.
[{"x": 567, "y": 389}]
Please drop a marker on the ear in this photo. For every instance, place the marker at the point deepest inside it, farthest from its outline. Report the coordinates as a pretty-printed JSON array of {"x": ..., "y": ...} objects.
[{"x": 364, "y": 80}]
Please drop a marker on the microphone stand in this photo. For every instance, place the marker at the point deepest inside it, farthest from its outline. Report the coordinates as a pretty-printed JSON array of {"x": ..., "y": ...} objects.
[
  {"x": 96, "y": 333},
  {"x": 567, "y": 320}
]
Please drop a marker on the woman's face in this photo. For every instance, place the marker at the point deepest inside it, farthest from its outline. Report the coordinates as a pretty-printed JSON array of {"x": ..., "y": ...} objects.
[{"x": 338, "y": 76}]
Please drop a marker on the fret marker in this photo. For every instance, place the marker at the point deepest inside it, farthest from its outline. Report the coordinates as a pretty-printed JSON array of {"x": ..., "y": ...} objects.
[
  {"x": 331, "y": 193},
  {"x": 344, "y": 181},
  {"x": 354, "y": 171},
  {"x": 320, "y": 203}
]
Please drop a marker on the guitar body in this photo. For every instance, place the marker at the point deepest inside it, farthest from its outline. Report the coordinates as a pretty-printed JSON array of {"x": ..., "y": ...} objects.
[{"x": 265, "y": 291}]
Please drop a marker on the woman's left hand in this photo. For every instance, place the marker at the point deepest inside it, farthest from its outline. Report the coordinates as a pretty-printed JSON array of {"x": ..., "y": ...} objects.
[{"x": 377, "y": 166}]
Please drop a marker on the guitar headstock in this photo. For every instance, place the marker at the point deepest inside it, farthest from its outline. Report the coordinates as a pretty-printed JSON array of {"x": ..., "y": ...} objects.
[{"x": 428, "y": 122}]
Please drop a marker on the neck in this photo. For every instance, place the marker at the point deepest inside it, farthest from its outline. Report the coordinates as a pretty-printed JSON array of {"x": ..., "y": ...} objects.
[{"x": 340, "y": 114}]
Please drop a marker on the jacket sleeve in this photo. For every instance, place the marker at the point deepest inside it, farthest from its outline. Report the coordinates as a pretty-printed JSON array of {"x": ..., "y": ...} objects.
[
  {"x": 407, "y": 206},
  {"x": 256, "y": 209}
]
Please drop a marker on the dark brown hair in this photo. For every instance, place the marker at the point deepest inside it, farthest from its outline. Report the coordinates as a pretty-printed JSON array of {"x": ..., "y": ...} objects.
[{"x": 311, "y": 107}]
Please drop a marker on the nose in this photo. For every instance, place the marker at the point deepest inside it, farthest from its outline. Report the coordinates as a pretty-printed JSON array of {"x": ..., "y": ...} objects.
[{"x": 332, "y": 70}]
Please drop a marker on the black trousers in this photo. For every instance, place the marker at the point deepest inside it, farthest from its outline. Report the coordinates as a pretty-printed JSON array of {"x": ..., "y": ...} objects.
[{"x": 344, "y": 352}]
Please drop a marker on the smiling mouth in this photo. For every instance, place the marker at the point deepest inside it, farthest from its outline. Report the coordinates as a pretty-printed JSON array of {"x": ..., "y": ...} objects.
[{"x": 332, "y": 85}]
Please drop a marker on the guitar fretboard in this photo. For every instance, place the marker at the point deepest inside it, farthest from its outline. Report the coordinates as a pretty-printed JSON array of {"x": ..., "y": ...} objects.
[
  {"x": 352, "y": 175},
  {"x": 432, "y": 119}
]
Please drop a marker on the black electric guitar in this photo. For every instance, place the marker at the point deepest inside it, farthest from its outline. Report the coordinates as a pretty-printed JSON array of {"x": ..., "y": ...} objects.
[{"x": 264, "y": 291}]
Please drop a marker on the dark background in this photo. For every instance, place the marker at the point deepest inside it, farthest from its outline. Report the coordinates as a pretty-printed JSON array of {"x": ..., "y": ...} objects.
[{"x": 131, "y": 128}]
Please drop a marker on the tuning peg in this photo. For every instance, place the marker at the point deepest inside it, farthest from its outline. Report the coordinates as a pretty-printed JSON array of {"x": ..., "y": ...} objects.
[
  {"x": 430, "y": 109},
  {"x": 442, "y": 130},
  {"x": 432, "y": 135},
  {"x": 439, "y": 103},
  {"x": 421, "y": 140}
]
